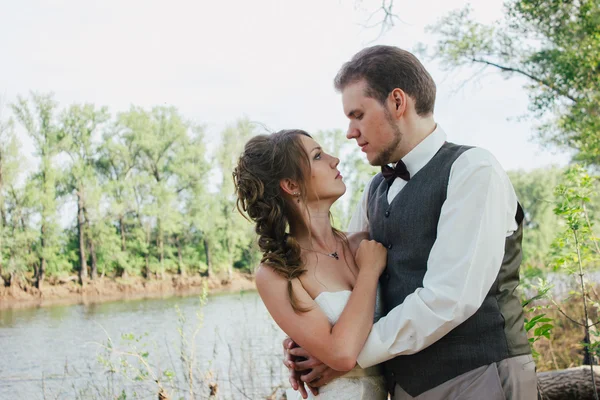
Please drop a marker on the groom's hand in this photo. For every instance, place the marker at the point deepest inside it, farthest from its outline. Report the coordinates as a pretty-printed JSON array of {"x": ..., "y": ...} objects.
[
  {"x": 313, "y": 372},
  {"x": 290, "y": 362}
]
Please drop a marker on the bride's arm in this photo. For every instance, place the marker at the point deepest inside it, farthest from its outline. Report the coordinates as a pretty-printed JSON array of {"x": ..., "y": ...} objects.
[{"x": 336, "y": 346}]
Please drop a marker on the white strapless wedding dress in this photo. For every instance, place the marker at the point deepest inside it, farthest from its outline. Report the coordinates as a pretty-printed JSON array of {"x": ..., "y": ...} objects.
[{"x": 357, "y": 384}]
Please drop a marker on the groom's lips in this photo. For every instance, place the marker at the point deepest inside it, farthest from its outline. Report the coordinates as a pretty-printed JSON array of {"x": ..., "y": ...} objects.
[{"x": 363, "y": 146}]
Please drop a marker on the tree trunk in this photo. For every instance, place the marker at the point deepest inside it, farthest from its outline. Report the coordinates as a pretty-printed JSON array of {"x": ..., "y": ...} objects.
[
  {"x": 94, "y": 260},
  {"x": 591, "y": 336},
  {"x": 147, "y": 268},
  {"x": 208, "y": 258},
  {"x": 1, "y": 260},
  {"x": 81, "y": 234},
  {"x": 2, "y": 280},
  {"x": 122, "y": 230},
  {"x": 161, "y": 250},
  {"x": 181, "y": 268},
  {"x": 121, "y": 271},
  {"x": 571, "y": 383},
  {"x": 41, "y": 272},
  {"x": 2, "y": 218}
]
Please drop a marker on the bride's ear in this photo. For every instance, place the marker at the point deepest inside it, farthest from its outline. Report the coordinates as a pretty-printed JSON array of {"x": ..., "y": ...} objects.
[{"x": 290, "y": 187}]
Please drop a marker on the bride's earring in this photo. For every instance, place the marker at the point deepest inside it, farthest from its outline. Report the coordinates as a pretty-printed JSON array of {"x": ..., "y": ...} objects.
[{"x": 298, "y": 195}]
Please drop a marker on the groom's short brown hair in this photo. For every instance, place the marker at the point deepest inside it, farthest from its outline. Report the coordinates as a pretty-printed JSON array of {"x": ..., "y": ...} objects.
[{"x": 385, "y": 68}]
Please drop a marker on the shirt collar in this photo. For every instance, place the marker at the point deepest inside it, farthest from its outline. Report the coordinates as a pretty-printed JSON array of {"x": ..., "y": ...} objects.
[{"x": 418, "y": 157}]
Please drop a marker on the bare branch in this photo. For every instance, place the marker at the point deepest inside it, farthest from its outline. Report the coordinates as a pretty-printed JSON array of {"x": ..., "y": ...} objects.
[
  {"x": 521, "y": 72},
  {"x": 388, "y": 20},
  {"x": 566, "y": 316}
]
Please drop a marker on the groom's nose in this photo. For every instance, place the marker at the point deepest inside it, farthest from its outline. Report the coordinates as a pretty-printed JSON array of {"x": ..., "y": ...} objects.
[{"x": 352, "y": 132}]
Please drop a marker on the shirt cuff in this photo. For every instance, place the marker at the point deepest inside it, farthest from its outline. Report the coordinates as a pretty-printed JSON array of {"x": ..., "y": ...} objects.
[{"x": 374, "y": 351}]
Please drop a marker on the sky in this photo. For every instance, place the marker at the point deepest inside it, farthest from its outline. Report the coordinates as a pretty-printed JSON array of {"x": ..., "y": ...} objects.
[{"x": 272, "y": 61}]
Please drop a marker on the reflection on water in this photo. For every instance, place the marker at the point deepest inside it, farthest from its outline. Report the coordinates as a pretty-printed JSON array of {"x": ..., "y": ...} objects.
[{"x": 54, "y": 350}]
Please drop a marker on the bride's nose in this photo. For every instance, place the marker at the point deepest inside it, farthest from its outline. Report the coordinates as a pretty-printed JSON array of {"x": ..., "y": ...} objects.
[{"x": 334, "y": 162}]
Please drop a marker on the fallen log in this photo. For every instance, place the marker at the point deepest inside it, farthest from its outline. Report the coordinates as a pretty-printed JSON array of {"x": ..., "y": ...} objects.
[{"x": 568, "y": 384}]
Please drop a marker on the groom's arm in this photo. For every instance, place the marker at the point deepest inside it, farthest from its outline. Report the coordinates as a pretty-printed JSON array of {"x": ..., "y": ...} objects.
[{"x": 463, "y": 263}]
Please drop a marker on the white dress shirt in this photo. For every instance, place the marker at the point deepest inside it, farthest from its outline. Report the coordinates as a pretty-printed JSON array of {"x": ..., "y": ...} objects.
[{"x": 477, "y": 216}]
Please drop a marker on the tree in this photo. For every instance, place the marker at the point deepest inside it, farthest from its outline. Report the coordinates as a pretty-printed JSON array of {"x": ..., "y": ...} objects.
[
  {"x": 79, "y": 124},
  {"x": 20, "y": 238},
  {"x": 229, "y": 231},
  {"x": 10, "y": 162},
  {"x": 191, "y": 171},
  {"x": 117, "y": 160},
  {"x": 555, "y": 45},
  {"x": 167, "y": 155},
  {"x": 40, "y": 124},
  {"x": 535, "y": 191}
]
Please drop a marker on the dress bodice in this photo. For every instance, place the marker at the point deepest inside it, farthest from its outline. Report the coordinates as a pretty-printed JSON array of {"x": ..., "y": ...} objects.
[
  {"x": 357, "y": 384},
  {"x": 332, "y": 304}
]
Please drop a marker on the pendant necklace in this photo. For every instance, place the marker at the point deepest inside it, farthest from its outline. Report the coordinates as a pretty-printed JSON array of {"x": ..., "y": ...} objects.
[{"x": 332, "y": 255}]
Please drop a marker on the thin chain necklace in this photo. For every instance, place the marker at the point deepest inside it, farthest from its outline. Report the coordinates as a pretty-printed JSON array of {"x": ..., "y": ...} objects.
[{"x": 332, "y": 255}]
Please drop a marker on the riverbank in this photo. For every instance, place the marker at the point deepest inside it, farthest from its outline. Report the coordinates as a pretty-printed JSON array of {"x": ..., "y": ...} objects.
[{"x": 68, "y": 291}]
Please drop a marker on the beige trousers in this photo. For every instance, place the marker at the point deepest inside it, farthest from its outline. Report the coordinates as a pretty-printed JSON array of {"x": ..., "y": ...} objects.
[{"x": 510, "y": 379}]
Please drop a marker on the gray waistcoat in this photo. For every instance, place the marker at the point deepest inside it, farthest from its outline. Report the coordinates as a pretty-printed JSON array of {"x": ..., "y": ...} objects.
[{"x": 408, "y": 227}]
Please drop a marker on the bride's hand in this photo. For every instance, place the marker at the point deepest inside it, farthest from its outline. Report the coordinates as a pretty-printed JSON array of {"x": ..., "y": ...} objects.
[
  {"x": 371, "y": 256},
  {"x": 313, "y": 372}
]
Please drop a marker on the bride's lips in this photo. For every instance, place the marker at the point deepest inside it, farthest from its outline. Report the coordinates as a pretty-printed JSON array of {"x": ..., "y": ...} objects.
[{"x": 338, "y": 176}]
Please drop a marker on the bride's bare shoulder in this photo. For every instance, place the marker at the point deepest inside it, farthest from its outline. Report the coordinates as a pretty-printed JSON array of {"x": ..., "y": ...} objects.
[
  {"x": 273, "y": 288},
  {"x": 266, "y": 273}
]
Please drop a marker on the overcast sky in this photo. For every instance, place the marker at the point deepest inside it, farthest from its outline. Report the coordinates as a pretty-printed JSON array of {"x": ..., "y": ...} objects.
[{"x": 272, "y": 61}]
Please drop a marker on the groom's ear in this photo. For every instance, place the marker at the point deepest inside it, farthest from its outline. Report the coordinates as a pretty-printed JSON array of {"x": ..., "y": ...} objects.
[
  {"x": 289, "y": 186},
  {"x": 397, "y": 98}
]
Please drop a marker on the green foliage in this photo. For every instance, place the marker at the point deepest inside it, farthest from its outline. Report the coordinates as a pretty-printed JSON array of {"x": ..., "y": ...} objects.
[
  {"x": 578, "y": 242},
  {"x": 139, "y": 182},
  {"x": 559, "y": 59},
  {"x": 574, "y": 255},
  {"x": 227, "y": 231},
  {"x": 577, "y": 250},
  {"x": 133, "y": 360},
  {"x": 539, "y": 325},
  {"x": 37, "y": 116},
  {"x": 534, "y": 190}
]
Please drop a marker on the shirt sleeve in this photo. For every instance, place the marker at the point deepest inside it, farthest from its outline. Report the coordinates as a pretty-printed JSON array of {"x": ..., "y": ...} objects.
[
  {"x": 359, "y": 221},
  {"x": 477, "y": 216}
]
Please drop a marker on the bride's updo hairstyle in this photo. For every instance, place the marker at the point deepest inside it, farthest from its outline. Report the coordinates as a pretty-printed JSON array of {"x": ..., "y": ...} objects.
[{"x": 265, "y": 161}]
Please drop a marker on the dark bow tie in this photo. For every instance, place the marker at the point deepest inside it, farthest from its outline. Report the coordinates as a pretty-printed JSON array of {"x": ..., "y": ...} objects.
[{"x": 399, "y": 171}]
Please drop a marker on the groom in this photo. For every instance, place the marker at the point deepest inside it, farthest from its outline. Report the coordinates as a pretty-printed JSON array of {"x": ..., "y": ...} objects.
[{"x": 450, "y": 219}]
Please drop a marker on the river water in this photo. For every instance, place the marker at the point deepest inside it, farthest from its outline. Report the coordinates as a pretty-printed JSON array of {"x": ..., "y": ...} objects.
[
  {"x": 118, "y": 350},
  {"x": 97, "y": 351}
]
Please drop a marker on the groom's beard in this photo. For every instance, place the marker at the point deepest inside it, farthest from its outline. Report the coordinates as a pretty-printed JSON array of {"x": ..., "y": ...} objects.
[{"x": 383, "y": 158}]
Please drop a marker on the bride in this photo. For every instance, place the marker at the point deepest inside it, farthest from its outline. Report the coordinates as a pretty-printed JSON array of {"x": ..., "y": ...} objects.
[{"x": 318, "y": 284}]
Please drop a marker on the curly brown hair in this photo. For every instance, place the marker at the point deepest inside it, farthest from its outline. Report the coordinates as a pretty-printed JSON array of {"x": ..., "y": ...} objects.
[{"x": 265, "y": 161}]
